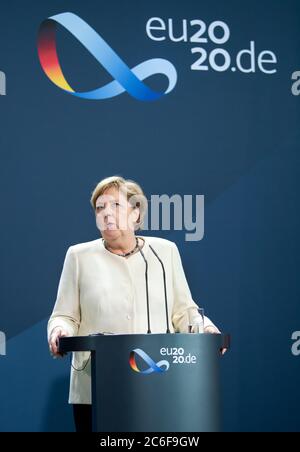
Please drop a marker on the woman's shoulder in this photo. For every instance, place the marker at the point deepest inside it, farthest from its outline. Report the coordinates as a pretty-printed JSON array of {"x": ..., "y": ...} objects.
[
  {"x": 159, "y": 242},
  {"x": 85, "y": 247}
]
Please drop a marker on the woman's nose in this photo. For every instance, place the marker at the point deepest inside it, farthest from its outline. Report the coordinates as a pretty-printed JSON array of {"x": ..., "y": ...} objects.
[
  {"x": 109, "y": 215},
  {"x": 107, "y": 210}
]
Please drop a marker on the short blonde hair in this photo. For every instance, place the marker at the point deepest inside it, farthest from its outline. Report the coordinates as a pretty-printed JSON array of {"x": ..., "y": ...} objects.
[{"x": 134, "y": 192}]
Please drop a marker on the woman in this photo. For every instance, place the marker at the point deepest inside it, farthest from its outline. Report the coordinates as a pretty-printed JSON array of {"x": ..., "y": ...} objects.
[{"x": 103, "y": 288}]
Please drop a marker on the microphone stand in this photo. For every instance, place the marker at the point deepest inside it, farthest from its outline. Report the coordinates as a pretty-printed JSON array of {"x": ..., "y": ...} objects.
[{"x": 165, "y": 287}]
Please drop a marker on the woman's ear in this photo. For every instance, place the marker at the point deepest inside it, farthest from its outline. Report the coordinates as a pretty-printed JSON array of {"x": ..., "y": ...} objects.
[
  {"x": 138, "y": 215},
  {"x": 137, "y": 218}
]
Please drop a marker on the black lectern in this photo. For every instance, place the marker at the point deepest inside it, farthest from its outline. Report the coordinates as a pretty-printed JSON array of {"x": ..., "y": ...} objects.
[{"x": 153, "y": 382}]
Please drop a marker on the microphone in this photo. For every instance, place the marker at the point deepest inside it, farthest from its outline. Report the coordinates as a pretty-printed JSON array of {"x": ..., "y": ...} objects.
[
  {"x": 165, "y": 287},
  {"x": 147, "y": 291}
]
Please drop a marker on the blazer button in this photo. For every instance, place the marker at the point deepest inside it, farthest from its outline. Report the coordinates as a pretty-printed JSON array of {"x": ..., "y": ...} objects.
[{"x": 128, "y": 317}]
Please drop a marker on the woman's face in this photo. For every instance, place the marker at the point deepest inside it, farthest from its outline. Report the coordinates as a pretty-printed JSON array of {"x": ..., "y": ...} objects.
[{"x": 115, "y": 217}]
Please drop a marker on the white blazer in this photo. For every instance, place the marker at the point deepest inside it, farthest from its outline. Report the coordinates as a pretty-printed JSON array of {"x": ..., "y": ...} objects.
[{"x": 102, "y": 292}]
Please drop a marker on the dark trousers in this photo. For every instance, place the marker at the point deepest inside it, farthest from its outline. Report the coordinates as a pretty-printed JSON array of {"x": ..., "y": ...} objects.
[{"x": 82, "y": 418}]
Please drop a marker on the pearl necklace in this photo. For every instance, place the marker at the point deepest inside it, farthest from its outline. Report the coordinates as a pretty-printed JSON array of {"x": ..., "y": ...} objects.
[{"x": 124, "y": 254}]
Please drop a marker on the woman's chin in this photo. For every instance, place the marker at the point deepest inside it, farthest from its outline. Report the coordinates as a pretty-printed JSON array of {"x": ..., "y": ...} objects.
[{"x": 110, "y": 233}]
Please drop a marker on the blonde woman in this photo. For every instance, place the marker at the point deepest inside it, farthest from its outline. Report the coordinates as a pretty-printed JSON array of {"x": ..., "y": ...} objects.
[{"x": 102, "y": 285}]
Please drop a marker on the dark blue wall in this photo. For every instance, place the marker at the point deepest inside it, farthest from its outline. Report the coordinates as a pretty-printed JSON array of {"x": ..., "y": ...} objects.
[{"x": 230, "y": 136}]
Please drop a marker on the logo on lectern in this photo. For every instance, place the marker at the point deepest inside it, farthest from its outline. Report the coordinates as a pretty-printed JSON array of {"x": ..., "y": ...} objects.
[{"x": 159, "y": 367}]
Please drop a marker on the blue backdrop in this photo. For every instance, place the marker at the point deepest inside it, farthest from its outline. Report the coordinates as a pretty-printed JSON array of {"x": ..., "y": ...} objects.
[{"x": 229, "y": 130}]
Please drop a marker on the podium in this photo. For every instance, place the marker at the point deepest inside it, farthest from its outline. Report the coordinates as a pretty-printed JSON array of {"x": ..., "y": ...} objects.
[{"x": 153, "y": 382}]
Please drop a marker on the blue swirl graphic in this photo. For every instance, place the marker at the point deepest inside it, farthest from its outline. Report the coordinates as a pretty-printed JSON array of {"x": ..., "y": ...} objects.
[
  {"x": 125, "y": 79},
  {"x": 153, "y": 366}
]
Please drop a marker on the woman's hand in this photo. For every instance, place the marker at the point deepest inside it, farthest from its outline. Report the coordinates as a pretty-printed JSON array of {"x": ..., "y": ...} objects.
[
  {"x": 56, "y": 333},
  {"x": 213, "y": 330}
]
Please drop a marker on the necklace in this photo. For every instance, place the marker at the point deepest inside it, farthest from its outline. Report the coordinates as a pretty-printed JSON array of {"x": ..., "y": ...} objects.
[{"x": 125, "y": 254}]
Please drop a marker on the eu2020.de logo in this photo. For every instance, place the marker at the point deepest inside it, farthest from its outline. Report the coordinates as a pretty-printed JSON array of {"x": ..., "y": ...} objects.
[{"x": 124, "y": 78}]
